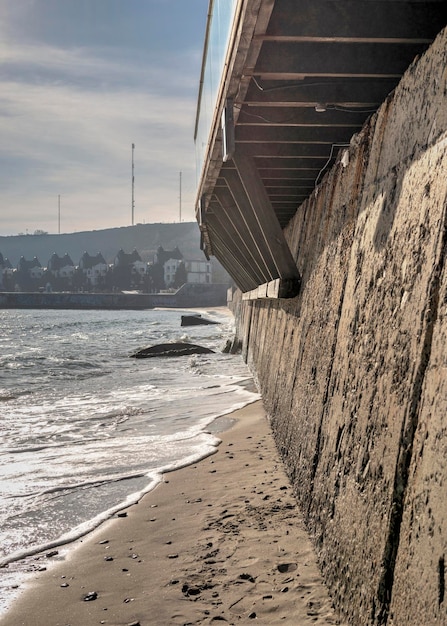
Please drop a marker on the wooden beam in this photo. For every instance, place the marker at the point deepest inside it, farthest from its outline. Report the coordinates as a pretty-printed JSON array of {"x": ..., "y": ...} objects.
[
  {"x": 226, "y": 220},
  {"x": 358, "y": 18},
  {"x": 239, "y": 204},
  {"x": 348, "y": 92},
  {"x": 265, "y": 216},
  {"x": 232, "y": 264},
  {"x": 264, "y": 133},
  {"x": 275, "y": 289},
  {"x": 335, "y": 59},
  {"x": 284, "y": 150},
  {"x": 302, "y": 116}
]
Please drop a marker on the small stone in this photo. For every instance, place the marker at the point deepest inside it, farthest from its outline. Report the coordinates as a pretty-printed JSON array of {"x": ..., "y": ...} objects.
[
  {"x": 123, "y": 514},
  {"x": 108, "y": 558},
  {"x": 65, "y": 585},
  {"x": 284, "y": 590},
  {"x": 246, "y": 576},
  {"x": 90, "y": 596},
  {"x": 287, "y": 567},
  {"x": 103, "y": 542},
  {"x": 172, "y": 556},
  {"x": 252, "y": 615},
  {"x": 52, "y": 553}
]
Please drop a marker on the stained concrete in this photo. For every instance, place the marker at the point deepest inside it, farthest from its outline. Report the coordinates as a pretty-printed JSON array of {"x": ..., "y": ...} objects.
[{"x": 353, "y": 371}]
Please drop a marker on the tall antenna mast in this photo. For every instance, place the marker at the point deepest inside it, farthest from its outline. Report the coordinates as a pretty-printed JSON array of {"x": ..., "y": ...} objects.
[
  {"x": 59, "y": 214},
  {"x": 133, "y": 185},
  {"x": 180, "y": 199}
]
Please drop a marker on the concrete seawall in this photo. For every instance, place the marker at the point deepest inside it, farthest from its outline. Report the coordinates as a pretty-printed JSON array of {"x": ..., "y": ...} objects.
[
  {"x": 188, "y": 296},
  {"x": 353, "y": 371}
]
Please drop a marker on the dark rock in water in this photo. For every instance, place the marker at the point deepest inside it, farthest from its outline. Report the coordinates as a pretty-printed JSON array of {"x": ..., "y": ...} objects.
[
  {"x": 171, "y": 349},
  {"x": 195, "y": 320}
]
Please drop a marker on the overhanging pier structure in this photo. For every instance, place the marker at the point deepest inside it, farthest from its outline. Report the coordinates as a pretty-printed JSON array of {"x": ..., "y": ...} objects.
[{"x": 284, "y": 86}]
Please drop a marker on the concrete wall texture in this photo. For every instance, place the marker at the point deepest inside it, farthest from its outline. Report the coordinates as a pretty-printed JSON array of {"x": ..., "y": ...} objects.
[{"x": 353, "y": 371}]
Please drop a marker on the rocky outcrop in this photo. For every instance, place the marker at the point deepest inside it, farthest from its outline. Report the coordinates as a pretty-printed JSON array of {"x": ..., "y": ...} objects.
[
  {"x": 353, "y": 370},
  {"x": 171, "y": 349},
  {"x": 195, "y": 320}
]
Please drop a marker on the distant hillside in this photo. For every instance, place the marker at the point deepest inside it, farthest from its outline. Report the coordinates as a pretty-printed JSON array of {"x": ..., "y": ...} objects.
[{"x": 144, "y": 237}]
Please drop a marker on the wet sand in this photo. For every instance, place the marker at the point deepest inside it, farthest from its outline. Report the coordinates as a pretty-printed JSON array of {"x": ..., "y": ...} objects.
[{"x": 220, "y": 542}]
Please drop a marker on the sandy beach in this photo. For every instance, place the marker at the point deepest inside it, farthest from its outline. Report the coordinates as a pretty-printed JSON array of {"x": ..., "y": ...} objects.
[{"x": 219, "y": 542}]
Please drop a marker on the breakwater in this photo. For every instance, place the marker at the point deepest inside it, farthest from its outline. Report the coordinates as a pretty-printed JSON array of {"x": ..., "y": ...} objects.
[
  {"x": 188, "y": 296},
  {"x": 353, "y": 370}
]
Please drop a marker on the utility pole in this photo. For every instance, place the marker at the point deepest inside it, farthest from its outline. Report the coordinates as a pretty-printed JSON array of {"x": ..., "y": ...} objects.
[
  {"x": 180, "y": 199},
  {"x": 133, "y": 186},
  {"x": 59, "y": 214}
]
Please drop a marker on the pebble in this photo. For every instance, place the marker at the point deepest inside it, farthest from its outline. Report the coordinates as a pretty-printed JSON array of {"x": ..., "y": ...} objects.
[{"x": 91, "y": 595}]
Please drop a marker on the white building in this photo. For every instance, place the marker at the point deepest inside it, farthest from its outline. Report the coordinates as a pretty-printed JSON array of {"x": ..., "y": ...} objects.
[{"x": 199, "y": 271}]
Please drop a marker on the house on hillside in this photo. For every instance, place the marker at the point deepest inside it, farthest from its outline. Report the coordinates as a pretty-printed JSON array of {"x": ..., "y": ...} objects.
[
  {"x": 132, "y": 260},
  {"x": 6, "y": 273},
  {"x": 129, "y": 271},
  {"x": 33, "y": 268},
  {"x": 170, "y": 260},
  {"x": 61, "y": 267},
  {"x": 28, "y": 274},
  {"x": 162, "y": 255},
  {"x": 94, "y": 268},
  {"x": 1, "y": 270}
]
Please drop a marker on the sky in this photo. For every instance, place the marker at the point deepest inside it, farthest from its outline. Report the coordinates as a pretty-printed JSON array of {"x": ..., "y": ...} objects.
[{"x": 80, "y": 82}]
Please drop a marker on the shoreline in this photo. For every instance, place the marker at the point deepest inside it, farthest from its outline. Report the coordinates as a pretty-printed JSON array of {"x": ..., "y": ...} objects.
[{"x": 220, "y": 540}]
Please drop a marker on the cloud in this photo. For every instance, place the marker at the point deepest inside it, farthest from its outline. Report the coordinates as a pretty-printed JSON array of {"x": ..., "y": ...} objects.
[{"x": 68, "y": 117}]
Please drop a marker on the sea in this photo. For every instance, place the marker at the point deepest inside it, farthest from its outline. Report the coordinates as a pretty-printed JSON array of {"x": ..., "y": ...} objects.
[{"x": 86, "y": 430}]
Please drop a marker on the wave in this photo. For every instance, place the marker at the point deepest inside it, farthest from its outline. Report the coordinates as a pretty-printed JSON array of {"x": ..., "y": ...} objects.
[{"x": 155, "y": 477}]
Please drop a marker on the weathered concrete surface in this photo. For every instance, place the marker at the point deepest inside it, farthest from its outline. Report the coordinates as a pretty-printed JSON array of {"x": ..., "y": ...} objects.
[{"x": 353, "y": 371}]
